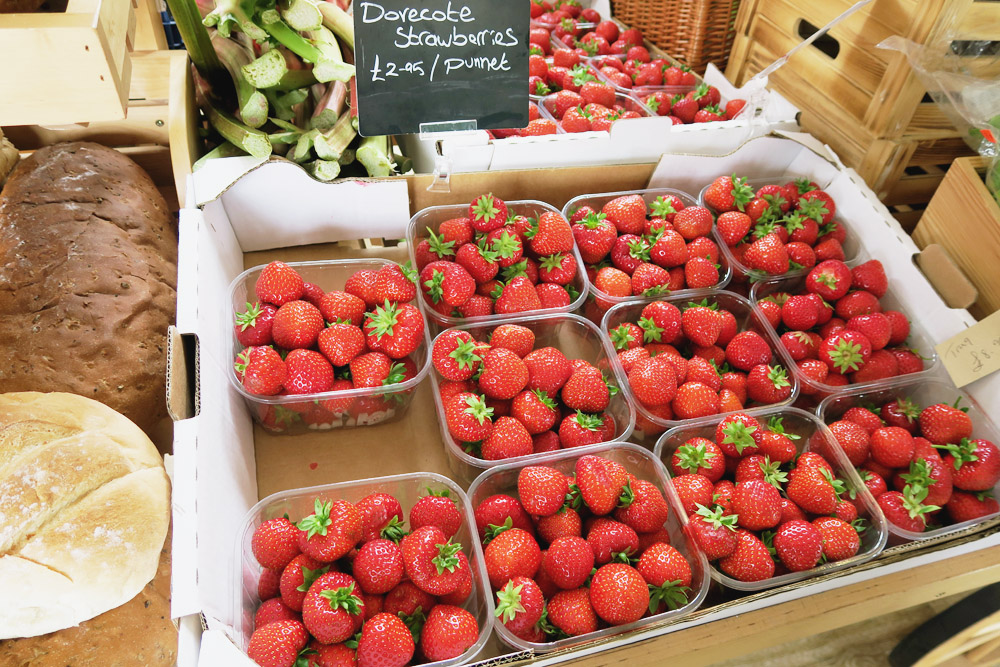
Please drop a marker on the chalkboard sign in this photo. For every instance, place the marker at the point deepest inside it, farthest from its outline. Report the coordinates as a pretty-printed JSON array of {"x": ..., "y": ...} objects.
[{"x": 437, "y": 61}]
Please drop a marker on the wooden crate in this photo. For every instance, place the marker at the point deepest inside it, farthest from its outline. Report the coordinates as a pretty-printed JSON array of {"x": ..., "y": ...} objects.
[
  {"x": 964, "y": 218},
  {"x": 158, "y": 131},
  {"x": 866, "y": 102},
  {"x": 68, "y": 67}
]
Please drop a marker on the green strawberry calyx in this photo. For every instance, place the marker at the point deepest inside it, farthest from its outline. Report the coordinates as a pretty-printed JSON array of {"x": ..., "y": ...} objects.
[
  {"x": 846, "y": 356},
  {"x": 433, "y": 288},
  {"x": 440, "y": 248},
  {"x": 302, "y": 658},
  {"x": 547, "y": 628},
  {"x": 964, "y": 452},
  {"x": 504, "y": 246},
  {"x": 242, "y": 361},
  {"x": 397, "y": 374},
  {"x": 652, "y": 103},
  {"x": 593, "y": 220},
  {"x": 509, "y": 602},
  {"x": 693, "y": 457},
  {"x": 621, "y": 336},
  {"x": 581, "y": 73},
  {"x": 661, "y": 207},
  {"x": 249, "y": 318},
  {"x": 627, "y": 496},
  {"x": 514, "y": 270},
  {"x": 414, "y": 623},
  {"x": 382, "y": 322},
  {"x": 776, "y": 425},
  {"x": 838, "y": 486},
  {"x": 913, "y": 498},
  {"x": 541, "y": 88},
  {"x": 574, "y": 500},
  {"x": 651, "y": 333},
  {"x": 670, "y": 593},
  {"x": 446, "y": 558},
  {"x": 485, "y": 208},
  {"x": 773, "y": 474},
  {"x": 625, "y": 557},
  {"x": 859, "y": 525},
  {"x": 316, "y": 523},
  {"x": 919, "y": 475},
  {"x": 813, "y": 208},
  {"x": 478, "y": 409},
  {"x": 804, "y": 185},
  {"x": 742, "y": 193},
  {"x": 343, "y": 598},
  {"x": 638, "y": 249},
  {"x": 588, "y": 422},
  {"x": 716, "y": 517},
  {"x": 394, "y": 530},
  {"x": 492, "y": 530},
  {"x": 465, "y": 353},
  {"x": 612, "y": 387},
  {"x": 552, "y": 262},
  {"x": 544, "y": 398},
  {"x": 739, "y": 435},
  {"x": 908, "y": 409},
  {"x": 309, "y": 576}
]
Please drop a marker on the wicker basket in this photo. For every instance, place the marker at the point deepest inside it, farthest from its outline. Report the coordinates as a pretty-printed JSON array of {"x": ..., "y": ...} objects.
[{"x": 696, "y": 32}]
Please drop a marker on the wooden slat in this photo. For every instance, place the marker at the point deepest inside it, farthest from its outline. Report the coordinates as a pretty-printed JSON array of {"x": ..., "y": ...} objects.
[{"x": 914, "y": 189}]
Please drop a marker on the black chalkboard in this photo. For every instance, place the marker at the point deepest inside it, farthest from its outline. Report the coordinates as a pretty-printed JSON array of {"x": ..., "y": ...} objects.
[{"x": 433, "y": 61}]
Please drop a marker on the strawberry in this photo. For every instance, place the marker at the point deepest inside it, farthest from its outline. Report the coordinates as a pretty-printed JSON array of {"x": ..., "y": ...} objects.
[
  {"x": 447, "y": 282},
  {"x": 568, "y": 561},
  {"x": 520, "y": 604},
  {"x": 467, "y": 417},
  {"x": 757, "y": 504},
  {"x": 261, "y": 370},
  {"x": 362, "y": 285},
  {"x": 857, "y": 303},
  {"x": 660, "y": 322},
  {"x": 930, "y": 472},
  {"x": 381, "y": 516},
  {"x": 395, "y": 329},
  {"x": 548, "y": 369},
  {"x": 768, "y": 384},
  {"x": 438, "y": 510},
  {"x": 653, "y": 381},
  {"x": 902, "y": 413},
  {"x": 254, "y": 326},
  {"x": 455, "y": 355},
  {"x": 767, "y": 254},
  {"x": 487, "y": 212},
  {"x": 891, "y": 446},
  {"x": 370, "y": 370},
  {"x": 508, "y": 439},
  {"x": 845, "y": 351},
  {"x": 506, "y": 244},
  {"x": 799, "y": 344},
  {"x": 669, "y": 250},
  {"x": 514, "y": 337},
  {"x": 618, "y": 594},
  {"x": 542, "y": 489},
  {"x": 308, "y": 372},
  {"x": 495, "y": 511},
  {"x": 650, "y": 280},
  {"x": 269, "y": 582},
  {"x": 511, "y": 553},
  {"x": 701, "y": 324},
  {"x": 296, "y": 579},
  {"x": 275, "y": 543},
  {"x": 976, "y": 464},
  {"x": 943, "y": 424},
  {"x": 480, "y": 263},
  {"x": 881, "y": 365},
  {"x": 799, "y": 545},
  {"x": 296, "y": 325},
  {"x": 968, "y": 506},
  {"x": 550, "y": 295},
  {"x": 586, "y": 391},
  {"x": 840, "y": 539},
  {"x": 801, "y": 254},
  {"x": 580, "y": 429},
  {"x": 870, "y": 277},
  {"x": 626, "y": 336},
  {"x": 801, "y": 312},
  {"x": 627, "y": 213},
  {"x": 342, "y": 307},
  {"x": 274, "y": 610},
  {"x": 853, "y": 440},
  {"x": 600, "y": 482},
  {"x": 430, "y": 560},
  {"x": 747, "y": 350},
  {"x": 504, "y": 374},
  {"x": 701, "y": 370},
  {"x": 906, "y": 509},
  {"x": 816, "y": 371},
  {"x": 693, "y": 400},
  {"x": 714, "y": 532},
  {"x": 612, "y": 282},
  {"x": 385, "y": 641},
  {"x": 693, "y": 490},
  {"x": 340, "y": 343},
  {"x": 572, "y": 613},
  {"x": 646, "y": 511},
  {"x": 278, "y": 284},
  {"x": 535, "y": 410},
  {"x": 751, "y": 560},
  {"x": 814, "y": 490},
  {"x": 277, "y": 644},
  {"x": 551, "y": 236},
  {"x": 735, "y": 435},
  {"x": 448, "y": 633},
  {"x": 692, "y": 222},
  {"x": 728, "y": 193},
  {"x": 395, "y": 283},
  {"x": 378, "y": 567},
  {"x": 406, "y": 599},
  {"x": 517, "y": 296},
  {"x": 594, "y": 236},
  {"x": 899, "y": 325},
  {"x": 774, "y": 443},
  {"x": 457, "y": 231},
  {"x": 564, "y": 523},
  {"x": 331, "y": 531},
  {"x": 732, "y": 226},
  {"x": 699, "y": 456},
  {"x": 332, "y": 608}
]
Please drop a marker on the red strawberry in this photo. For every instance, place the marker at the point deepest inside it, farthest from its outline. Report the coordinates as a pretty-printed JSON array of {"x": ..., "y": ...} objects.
[
  {"x": 277, "y": 644},
  {"x": 702, "y": 325},
  {"x": 733, "y": 226},
  {"x": 331, "y": 531},
  {"x": 586, "y": 391},
  {"x": 714, "y": 532},
  {"x": 261, "y": 370},
  {"x": 495, "y": 511},
  {"x": 296, "y": 325},
  {"x": 504, "y": 374},
  {"x": 647, "y": 510},
  {"x": 395, "y": 283},
  {"x": 870, "y": 277},
  {"x": 627, "y": 213},
  {"x": 548, "y": 369},
  {"x": 385, "y": 642},
  {"x": 746, "y": 350},
  {"x": 340, "y": 306},
  {"x": 595, "y": 236},
  {"x": 517, "y": 296},
  {"x": 406, "y": 598},
  {"x": 572, "y": 613},
  {"x": 542, "y": 489},
  {"x": 448, "y": 633},
  {"x": 308, "y": 372},
  {"x": 618, "y": 594},
  {"x": 774, "y": 443},
  {"x": 653, "y": 381},
  {"x": 735, "y": 435},
  {"x": 535, "y": 410},
  {"x": 845, "y": 351},
  {"x": 568, "y": 562},
  {"x": 564, "y": 523},
  {"x": 362, "y": 285},
  {"x": 378, "y": 567},
  {"x": 650, "y": 280},
  {"x": 906, "y": 510},
  {"x": 881, "y": 365},
  {"x": 275, "y": 543},
  {"x": 508, "y": 439},
  {"x": 520, "y": 605},
  {"x": 853, "y": 439},
  {"x": 757, "y": 504},
  {"x": 968, "y": 506},
  {"x": 931, "y": 473},
  {"x": 332, "y": 608},
  {"x": 431, "y": 562},
  {"x": 693, "y": 221},
  {"x": 660, "y": 322},
  {"x": 455, "y": 355},
  {"x": 840, "y": 539},
  {"x": 801, "y": 312},
  {"x": 395, "y": 329},
  {"x": 580, "y": 429},
  {"x": 514, "y": 337},
  {"x": 438, "y": 510},
  {"x": 799, "y": 545},
  {"x": 699, "y": 456},
  {"x": 447, "y": 282},
  {"x": 467, "y": 417},
  {"x": 278, "y": 284},
  {"x": 487, "y": 212},
  {"x": 902, "y": 413},
  {"x": 340, "y": 343},
  {"x": 728, "y": 193},
  {"x": 693, "y": 491},
  {"x": 891, "y": 446},
  {"x": 768, "y": 384},
  {"x": 268, "y": 584},
  {"x": 751, "y": 560},
  {"x": 552, "y": 235},
  {"x": 371, "y": 370},
  {"x": 976, "y": 464},
  {"x": 899, "y": 325},
  {"x": 814, "y": 490},
  {"x": 601, "y": 482},
  {"x": 254, "y": 326},
  {"x": 669, "y": 250},
  {"x": 512, "y": 553},
  {"x": 699, "y": 273},
  {"x": 274, "y": 610},
  {"x": 767, "y": 254},
  {"x": 943, "y": 424},
  {"x": 297, "y": 577},
  {"x": 381, "y": 516}
]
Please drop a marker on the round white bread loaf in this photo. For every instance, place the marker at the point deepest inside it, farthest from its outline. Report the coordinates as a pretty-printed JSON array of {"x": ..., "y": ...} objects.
[{"x": 84, "y": 511}]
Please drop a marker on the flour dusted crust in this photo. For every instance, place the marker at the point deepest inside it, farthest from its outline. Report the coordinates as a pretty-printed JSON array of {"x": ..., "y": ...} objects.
[
  {"x": 87, "y": 273},
  {"x": 84, "y": 510}
]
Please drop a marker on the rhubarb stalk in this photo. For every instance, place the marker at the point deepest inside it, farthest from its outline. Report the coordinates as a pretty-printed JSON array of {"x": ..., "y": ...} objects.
[{"x": 252, "y": 105}]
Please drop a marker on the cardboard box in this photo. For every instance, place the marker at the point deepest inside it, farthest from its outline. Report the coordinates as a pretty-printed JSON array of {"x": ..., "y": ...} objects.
[
  {"x": 629, "y": 141},
  {"x": 223, "y": 464}
]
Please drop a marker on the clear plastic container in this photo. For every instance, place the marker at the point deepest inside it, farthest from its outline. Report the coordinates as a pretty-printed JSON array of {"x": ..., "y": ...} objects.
[
  {"x": 576, "y": 338},
  {"x": 624, "y": 100},
  {"x": 641, "y": 92},
  {"x": 924, "y": 392},
  {"x": 642, "y": 464},
  {"x": 853, "y": 252},
  {"x": 815, "y": 437},
  {"x": 918, "y": 340},
  {"x": 407, "y": 489},
  {"x": 290, "y": 415},
  {"x": 433, "y": 216},
  {"x": 602, "y": 300},
  {"x": 748, "y": 318}
]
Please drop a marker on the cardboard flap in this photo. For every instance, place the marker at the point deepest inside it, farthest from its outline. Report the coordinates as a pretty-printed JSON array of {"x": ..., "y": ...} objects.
[
  {"x": 945, "y": 277},
  {"x": 182, "y": 374}
]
